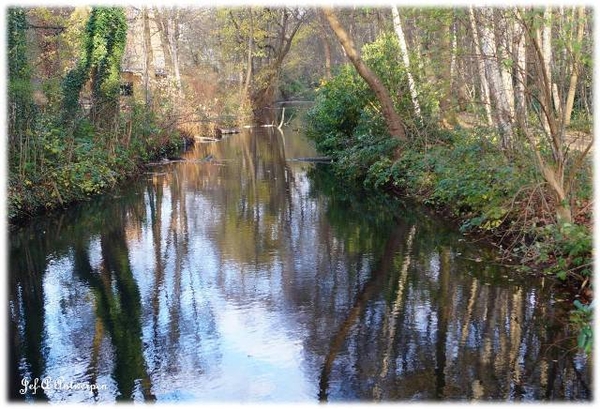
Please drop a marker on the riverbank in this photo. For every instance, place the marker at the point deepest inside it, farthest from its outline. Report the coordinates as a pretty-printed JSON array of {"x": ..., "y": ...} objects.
[
  {"x": 81, "y": 168},
  {"x": 502, "y": 199},
  {"x": 492, "y": 195},
  {"x": 488, "y": 194}
]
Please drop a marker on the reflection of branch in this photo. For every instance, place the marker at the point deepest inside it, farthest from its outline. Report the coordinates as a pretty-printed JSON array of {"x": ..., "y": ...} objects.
[
  {"x": 470, "y": 304},
  {"x": 93, "y": 366},
  {"x": 361, "y": 300},
  {"x": 392, "y": 318}
]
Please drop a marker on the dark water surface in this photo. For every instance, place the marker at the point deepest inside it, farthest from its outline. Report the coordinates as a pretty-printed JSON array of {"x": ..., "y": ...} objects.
[{"x": 244, "y": 275}]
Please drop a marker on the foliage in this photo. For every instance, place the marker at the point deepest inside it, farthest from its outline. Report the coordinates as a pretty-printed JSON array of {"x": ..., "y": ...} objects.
[
  {"x": 384, "y": 58},
  {"x": 569, "y": 247},
  {"x": 470, "y": 178},
  {"x": 581, "y": 319},
  {"x": 346, "y": 106},
  {"x": 75, "y": 166},
  {"x": 60, "y": 155},
  {"x": 21, "y": 108}
]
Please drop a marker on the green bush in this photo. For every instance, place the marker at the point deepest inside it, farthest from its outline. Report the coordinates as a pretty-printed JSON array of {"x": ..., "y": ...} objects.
[{"x": 77, "y": 162}]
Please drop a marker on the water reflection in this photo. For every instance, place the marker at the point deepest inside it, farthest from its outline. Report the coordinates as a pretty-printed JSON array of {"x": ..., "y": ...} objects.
[{"x": 241, "y": 275}]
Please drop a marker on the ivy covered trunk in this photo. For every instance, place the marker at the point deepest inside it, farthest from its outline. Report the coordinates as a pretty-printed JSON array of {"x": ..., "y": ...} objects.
[{"x": 103, "y": 47}]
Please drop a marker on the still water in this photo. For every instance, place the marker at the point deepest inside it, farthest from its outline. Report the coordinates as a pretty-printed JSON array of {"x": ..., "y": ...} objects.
[{"x": 243, "y": 274}]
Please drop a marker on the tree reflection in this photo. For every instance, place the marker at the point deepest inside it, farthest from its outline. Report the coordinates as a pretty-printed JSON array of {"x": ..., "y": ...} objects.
[
  {"x": 117, "y": 305},
  {"x": 374, "y": 298},
  {"x": 26, "y": 303},
  {"x": 118, "y": 308},
  {"x": 452, "y": 328}
]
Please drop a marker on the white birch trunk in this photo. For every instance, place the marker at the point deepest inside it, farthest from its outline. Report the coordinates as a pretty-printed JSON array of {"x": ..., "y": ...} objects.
[
  {"x": 504, "y": 52},
  {"x": 580, "y": 18},
  {"x": 492, "y": 69},
  {"x": 520, "y": 58},
  {"x": 485, "y": 90},
  {"x": 453, "y": 57},
  {"x": 406, "y": 61},
  {"x": 173, "y": 22}
]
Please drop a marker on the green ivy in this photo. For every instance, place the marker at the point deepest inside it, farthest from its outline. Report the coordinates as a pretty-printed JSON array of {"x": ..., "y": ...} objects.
[
  {"x": 103, "y": 47},
  {"x": 581, "y": 319},
  {"x": 22, "y": 110}
]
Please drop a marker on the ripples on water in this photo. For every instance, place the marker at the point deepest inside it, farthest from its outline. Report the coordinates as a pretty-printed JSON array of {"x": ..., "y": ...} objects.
[{"x": 252, "y": 277}]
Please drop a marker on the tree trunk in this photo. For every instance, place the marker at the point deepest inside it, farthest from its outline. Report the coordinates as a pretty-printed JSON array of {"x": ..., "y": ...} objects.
[
  {"x": 443, "y": 75},
  {"x": 504, "y": 51},
  {"x": 326, "y": 47},
  {"x": 167, "y": 21},
  {"x": 454, "y": 48},
  {"x": 327, "y": 51},
  {"x": 164, "y": 39},
  {"x": 544, "y": 33},
  {"x": 404, "y": 54},
  {"x": 492, "y": 70},
  {"x": 173, "y": 37},
  {"x": 547, "y": 53},
  {"x": 149, "y": 73},
  {"x": 394, "y": 123},
  {"x": 249, "y": 56},
  {"x": 575, "y": 68},
  {"x": 325, "y": 41},
  {"x": 520, "y": 58},
  {"x": 485, "y": 89}
]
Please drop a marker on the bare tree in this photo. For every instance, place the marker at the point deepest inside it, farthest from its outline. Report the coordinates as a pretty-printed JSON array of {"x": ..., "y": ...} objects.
[
  {"x": 485, "y": 89},
  {"x": 551, "y": 117}
]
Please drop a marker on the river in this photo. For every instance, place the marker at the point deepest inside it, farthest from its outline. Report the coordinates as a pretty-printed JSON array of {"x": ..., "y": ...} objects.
[{"x": 243, "y": 273}]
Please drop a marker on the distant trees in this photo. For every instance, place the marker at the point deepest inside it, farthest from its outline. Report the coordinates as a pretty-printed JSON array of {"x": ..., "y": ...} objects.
[{"x": 262, "y": 38}]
